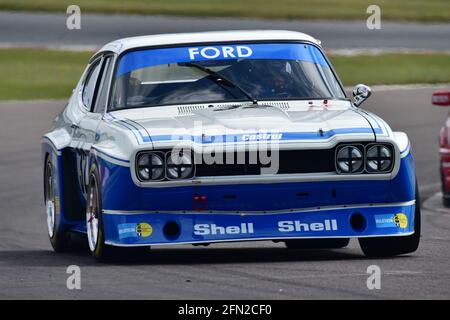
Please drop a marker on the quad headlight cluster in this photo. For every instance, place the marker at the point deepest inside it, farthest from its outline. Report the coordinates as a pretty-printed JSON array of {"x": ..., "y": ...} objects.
[
  {"x": 158, "y": 165},
  {"x": 373, "y": 158}
]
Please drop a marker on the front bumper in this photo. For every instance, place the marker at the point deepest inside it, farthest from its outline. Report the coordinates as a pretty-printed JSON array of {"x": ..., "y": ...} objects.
[{"x": 140, "y": 228}]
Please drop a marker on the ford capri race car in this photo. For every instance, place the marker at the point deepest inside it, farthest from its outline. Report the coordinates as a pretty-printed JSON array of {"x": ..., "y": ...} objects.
[{"x": 225, "y": 136}]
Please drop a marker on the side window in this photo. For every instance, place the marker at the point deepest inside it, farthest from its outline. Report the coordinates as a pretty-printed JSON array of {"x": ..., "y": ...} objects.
[
  {"x": 89, "y": 85},
  {"x": 102, "y": 95}
]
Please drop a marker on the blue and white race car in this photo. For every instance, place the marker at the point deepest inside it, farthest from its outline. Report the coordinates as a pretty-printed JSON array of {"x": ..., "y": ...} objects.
[{"x": 225, "y": 136}]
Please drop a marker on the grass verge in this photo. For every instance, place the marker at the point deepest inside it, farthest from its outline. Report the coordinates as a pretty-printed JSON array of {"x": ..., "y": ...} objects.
[
  {"x": 407, "y": 68},
  {"x": 39, "y": 74},
  {"x": 51, "y": 74},
  {"x": 398, "y": 10}
]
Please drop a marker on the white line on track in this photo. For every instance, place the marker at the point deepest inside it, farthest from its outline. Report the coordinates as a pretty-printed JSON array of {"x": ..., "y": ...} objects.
[
  {"x": 26, "y": 45},
  {"x": 378, "y": 51},
  {"x": 396, "y": 87},
  {"x": 434, "y": 203}
]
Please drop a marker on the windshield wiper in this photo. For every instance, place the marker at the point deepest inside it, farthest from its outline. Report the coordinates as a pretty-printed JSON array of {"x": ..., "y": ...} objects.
[{"x": 217, "y": 77}]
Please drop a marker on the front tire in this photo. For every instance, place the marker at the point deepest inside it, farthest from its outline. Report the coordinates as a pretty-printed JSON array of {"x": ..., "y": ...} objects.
[
  {"x": 445, "y": 195},
  {"x": 392, "y": 246},
  {"x": 59, "y": 237},
  {"x": 95, "y": 227},
  {"x": 446, "y": 200}
]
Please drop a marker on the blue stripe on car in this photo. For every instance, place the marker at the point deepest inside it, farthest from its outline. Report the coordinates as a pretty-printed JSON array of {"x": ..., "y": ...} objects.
[{"x": 286, "y": 136}]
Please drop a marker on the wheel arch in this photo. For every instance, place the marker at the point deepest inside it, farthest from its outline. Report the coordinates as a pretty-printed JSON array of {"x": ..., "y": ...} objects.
[{"x": 72, "y": 204}]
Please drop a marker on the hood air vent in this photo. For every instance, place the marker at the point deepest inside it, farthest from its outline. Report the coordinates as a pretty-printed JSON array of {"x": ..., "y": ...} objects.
[{"x": 187, "y": 110}]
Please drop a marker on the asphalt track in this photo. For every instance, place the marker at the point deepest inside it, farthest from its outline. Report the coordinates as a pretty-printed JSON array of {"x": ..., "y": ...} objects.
[
  {"x": 49, "y": 30},
  {"x": 258, "y": 270}
]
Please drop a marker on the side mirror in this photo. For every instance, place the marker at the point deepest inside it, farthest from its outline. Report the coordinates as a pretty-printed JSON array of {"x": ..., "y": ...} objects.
[
  {"x": 360, "y": 94},
  {"x": 441, "y": 99}
]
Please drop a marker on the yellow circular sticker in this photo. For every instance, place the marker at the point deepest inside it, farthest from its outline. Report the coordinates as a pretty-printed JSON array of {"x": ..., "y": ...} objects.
[
  {"x": 144, "y": 230},
  {"x": 401, "y": 220}
]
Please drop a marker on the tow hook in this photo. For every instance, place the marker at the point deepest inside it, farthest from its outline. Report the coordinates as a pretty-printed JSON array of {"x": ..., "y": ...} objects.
[{"x": 199, "y": 203}]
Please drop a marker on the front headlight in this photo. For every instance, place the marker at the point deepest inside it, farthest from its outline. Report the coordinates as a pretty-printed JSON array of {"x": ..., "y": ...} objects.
[
  {"x": 179, "y": 165},
  {"x": 150, "y": 166},
  {"x": 379, "y": 159},
  {"x": 349, "y": 159}
]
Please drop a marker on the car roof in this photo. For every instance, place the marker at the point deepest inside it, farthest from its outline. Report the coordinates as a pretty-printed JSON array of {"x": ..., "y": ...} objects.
[{"x": 125, "y": 44}]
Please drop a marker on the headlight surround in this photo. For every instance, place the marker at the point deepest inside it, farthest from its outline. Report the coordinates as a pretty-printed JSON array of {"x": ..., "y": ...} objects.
[
  {"x": 150, "y": 166},
  {"x": 350, "y": 159},
  {"x": 379, "y": 158},
  {"x": 179, "y": 165}
]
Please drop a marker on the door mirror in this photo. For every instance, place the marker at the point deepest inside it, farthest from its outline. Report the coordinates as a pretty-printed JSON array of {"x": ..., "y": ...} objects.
[
  {"x": 441, "y": 99},
  {"x": 360, "y": 94}
]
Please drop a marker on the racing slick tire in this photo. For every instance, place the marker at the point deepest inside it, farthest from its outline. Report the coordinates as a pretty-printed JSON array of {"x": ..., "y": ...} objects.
[
  {"x": 446, "y": 200},
  {"x": 60, "y": 238},
  {"x": 335, "y": 243},
  {"x": 445, "y": 195},
  {"x": 392, "y": 246},
  {"x": 95, "y": 231}
]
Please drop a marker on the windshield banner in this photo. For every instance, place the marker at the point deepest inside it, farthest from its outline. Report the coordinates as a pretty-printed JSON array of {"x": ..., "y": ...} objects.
[{"x": 152, "y": 57}]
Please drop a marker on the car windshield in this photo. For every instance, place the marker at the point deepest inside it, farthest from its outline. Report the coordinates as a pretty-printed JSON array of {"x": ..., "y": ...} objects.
[{"x": 223, "y": 73}]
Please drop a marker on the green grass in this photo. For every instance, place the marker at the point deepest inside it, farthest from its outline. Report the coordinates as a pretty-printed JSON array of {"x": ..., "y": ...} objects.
[
  {"x": 39, "y": 74},
  {"x": 393, "y": 68},
  {"x": 50, "y": 74},
  {"x": 399, "y": 10}
]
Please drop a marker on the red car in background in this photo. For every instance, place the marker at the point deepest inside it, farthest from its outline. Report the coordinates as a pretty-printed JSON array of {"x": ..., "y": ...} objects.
[{"x": 443, "y": 99}]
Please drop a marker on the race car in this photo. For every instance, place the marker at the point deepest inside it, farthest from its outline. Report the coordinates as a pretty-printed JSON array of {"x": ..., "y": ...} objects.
[
  {"x": 226, "y": 136},
  {"x": 442, "y": 99}
]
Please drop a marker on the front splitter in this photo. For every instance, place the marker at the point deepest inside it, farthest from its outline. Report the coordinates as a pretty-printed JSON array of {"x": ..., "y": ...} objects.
[{"x": 141, "y": 228}]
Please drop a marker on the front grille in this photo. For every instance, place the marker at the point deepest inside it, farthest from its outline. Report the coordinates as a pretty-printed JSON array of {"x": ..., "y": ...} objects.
[{"x": 290, "y": 162}]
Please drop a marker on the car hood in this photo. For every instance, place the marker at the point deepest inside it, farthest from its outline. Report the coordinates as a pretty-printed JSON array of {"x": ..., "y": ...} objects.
[{"x": 250, "y": 123}]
